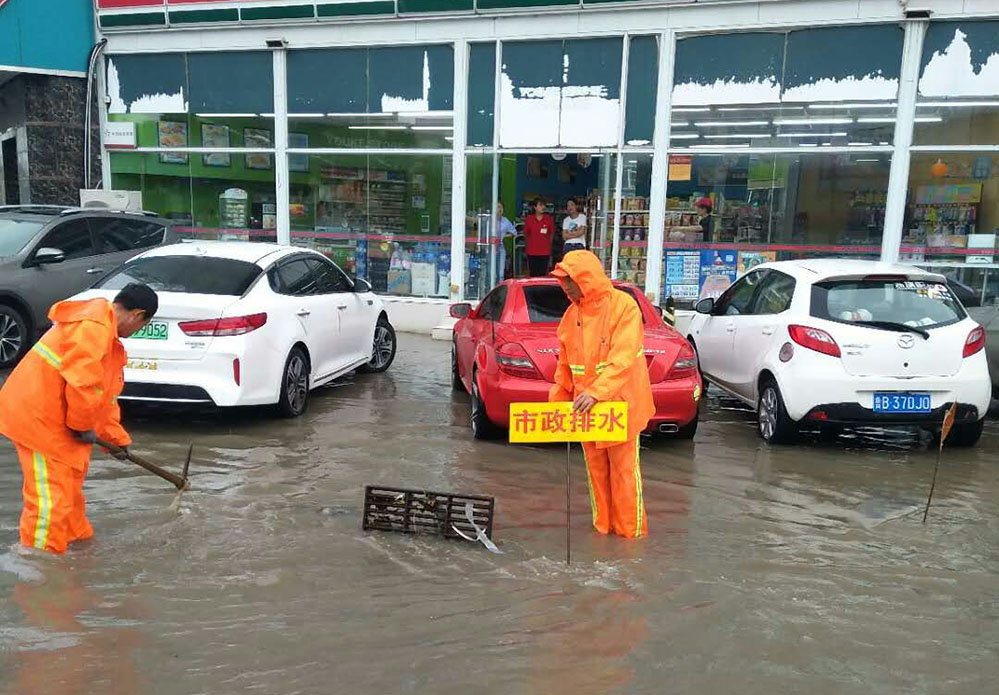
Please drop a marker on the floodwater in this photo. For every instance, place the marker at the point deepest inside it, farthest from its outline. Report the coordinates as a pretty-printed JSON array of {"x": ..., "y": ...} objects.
[{"x": 784, "y": 570}]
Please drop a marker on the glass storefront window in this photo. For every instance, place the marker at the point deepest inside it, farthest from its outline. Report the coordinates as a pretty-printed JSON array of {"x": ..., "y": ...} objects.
[
  {"x": 561, "y": 93},
  {"x": 643, "y": 79},
  {"x": 784, "y": 91},
  {"x": 208, "y": 196},
  {"x": 629, "y": 246},
  {"x": 481, "y": 94},
  {"x": 215, "y": 100},
  {"x": 729, "y": 212},
  {"x": 379, "y": 97},
  {"x": 384, "y": 218}
]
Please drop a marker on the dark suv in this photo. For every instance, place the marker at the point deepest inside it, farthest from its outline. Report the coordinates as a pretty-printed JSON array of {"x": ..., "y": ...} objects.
[{"x": 48, "y": 253}]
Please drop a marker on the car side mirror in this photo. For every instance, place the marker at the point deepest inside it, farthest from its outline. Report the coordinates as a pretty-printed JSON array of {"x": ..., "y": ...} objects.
[
  {"x": 705, "y": 306},
  {"x": 361, "y": 285},
  {"x": 460, "y": 311},
  {"x": 47, "y": 256}
]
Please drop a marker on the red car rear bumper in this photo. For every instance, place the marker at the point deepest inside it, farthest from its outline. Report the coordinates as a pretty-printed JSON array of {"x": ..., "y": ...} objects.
[{"x": 676, "y": 400}]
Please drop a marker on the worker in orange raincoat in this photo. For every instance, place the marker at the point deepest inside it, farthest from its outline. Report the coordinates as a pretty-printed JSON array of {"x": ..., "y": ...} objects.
[
  {"x": 602, "y": 358},
  {"x": 59, "y": 400}
]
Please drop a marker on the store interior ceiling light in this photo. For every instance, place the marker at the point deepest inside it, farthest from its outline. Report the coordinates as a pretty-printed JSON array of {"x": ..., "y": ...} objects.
[
  {"x": 812, "y": 121},
  {"x": 446, "y": 128},
  {"x": 691, "y": 109},
  {"x": 679, "y": 124},
  {"x": 730, "y": 124},
  {"x": 378, "y": 127},
  {"x": 928, "y": 119},
  {"x": 859, "y": 144},
  {"x": 306, "y": 115},
  {"x": 867, "y": 160},
  {"x": 360, "y": 115},
  {"x": 876, "y": 119},
  {"x": 812, "y": 135},
  {"x": 954, "y": 104},
  {"x": 683, "y": 136},
  {"x": 859, "y": 105},
  {"x": 422, "y": 114},
  {"x": 736, "y": 136},
  {"x": 767, "y": 107},
  {"x": 231, "y": 115},
  {"x": 729, "y": 146}
]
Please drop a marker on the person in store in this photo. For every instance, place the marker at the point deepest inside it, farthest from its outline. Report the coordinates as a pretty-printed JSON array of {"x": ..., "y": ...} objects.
[
  {"x": 504, "y": 229},
  {"x": 703, "y": 207},
  {"x": 60, "y": 400},
  {"x": 539, "y": 228},
  {"x": 601, "y": 358},
  {"x": 573, "y": 228}
]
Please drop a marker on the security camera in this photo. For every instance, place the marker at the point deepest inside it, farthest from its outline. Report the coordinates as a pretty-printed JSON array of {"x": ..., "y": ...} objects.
[{"x": 276, "y": 43}]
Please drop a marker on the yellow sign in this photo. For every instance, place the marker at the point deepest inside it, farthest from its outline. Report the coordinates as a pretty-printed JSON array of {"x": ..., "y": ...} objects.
[{"x": 533, "y": 423}]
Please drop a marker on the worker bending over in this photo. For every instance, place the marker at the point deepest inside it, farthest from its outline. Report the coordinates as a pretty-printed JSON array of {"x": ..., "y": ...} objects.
[
  {"x": 59, "y": 400},
  {"x": 602, "y": 358}
]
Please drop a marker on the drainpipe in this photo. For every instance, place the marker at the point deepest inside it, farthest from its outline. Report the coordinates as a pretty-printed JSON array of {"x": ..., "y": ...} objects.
[{"x": 95, "y": 53}]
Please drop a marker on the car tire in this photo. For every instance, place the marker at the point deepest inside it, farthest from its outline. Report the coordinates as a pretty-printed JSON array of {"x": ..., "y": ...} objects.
[
  {"x": 772, "y": 421},
  {"x": 966, "y": 435},
  {"x": 456, "y": 383},
  {"x": 294, "y": 398},
  {"x": 382, "y": 349},
  {"x": 689, "y": 430},
  {"x": 482, "y": 427},
  {"x": 704, "y": 382},
  {"x": 14, "y": 338}
]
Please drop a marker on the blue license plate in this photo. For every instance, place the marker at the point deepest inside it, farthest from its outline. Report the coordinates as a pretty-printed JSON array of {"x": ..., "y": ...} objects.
[{"x": 902, "y": 403}]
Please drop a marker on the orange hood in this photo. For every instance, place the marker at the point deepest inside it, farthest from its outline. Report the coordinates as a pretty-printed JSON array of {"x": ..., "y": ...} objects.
[
  {"x": 71, "y": 311},
  {"x": 586, "y": 271}
]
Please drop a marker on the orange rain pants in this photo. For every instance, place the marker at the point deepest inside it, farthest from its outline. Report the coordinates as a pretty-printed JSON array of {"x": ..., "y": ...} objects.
[
  {"x": 602, "y": 355},
  {"x": 70, "y": 380},
  {"x": 615, "y": 478},
  {"x": 54, "y": 513}
]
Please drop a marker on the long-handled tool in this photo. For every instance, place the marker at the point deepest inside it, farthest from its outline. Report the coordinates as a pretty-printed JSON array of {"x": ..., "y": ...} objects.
[
  {"x": 179, "y": 481},
  {"x": 568, "y": 546},
  {"x": 948, "y": 424}
]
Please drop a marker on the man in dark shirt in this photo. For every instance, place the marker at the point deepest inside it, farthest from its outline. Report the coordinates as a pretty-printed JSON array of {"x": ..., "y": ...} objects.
[{"x": 539, "y": 228}]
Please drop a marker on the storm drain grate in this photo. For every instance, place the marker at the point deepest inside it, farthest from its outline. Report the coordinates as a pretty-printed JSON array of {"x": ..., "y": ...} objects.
[{"x": 419, "y": 511}]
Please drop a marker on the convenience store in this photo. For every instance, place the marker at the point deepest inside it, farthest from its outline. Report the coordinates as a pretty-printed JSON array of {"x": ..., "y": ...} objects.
[{"x": 385, "y": 132}]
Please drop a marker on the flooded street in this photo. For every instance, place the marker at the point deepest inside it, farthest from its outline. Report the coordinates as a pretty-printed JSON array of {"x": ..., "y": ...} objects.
[{"x": 767, "y": 570}]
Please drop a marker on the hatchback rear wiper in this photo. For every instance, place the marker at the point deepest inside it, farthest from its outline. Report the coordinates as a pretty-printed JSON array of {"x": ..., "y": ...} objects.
[{"x": 892, "y": 326}]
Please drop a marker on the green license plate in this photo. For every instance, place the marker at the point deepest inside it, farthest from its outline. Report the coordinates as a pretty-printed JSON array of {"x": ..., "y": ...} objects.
[{"x": 154, "y": 330}]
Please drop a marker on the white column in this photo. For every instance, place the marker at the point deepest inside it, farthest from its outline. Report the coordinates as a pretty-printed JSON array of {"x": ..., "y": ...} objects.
[
  {"x": 458, "y": 170},
  {"x": 102, "y": 119},
  {"x": 281, "y": 146},
  {"x": 898, "y": 181},
  {"x": 660, "y": 167}
]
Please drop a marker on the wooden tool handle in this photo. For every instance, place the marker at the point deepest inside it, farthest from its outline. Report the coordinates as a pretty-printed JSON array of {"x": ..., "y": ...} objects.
[{"x": 178, "y": 482}]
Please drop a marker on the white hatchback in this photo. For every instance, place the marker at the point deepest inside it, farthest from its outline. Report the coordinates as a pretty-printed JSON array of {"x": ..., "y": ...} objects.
[
  {"x": 243, "y": 323},
  {"x": 835, "y": 342}
]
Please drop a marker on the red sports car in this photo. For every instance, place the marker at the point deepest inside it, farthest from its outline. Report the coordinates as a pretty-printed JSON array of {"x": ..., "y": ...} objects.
[{"x": 506, "y": 350}]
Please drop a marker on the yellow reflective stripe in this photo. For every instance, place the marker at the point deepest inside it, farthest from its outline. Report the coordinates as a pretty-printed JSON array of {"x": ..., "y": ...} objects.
[
  {"x": 589, "y": 484},
  {"x": 638, "y": 490},
  {"x": 577, "y": 369},
  {"x": 48, "y": 355},
  {"x": 44, "y": 495}
]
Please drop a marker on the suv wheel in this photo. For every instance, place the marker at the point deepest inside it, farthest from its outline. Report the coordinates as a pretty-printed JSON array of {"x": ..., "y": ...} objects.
[{"x": 13, "y": 336}]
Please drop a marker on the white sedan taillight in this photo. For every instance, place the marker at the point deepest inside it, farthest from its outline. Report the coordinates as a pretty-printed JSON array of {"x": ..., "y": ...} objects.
[
  {"x": 814, "y": 339},
  {"x": 236, "y": 325},
  {"x": 975, "y": 341}
]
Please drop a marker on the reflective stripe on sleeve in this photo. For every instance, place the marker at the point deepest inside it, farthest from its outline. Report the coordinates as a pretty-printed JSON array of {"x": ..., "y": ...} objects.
[{"x": 47, "y": 354}]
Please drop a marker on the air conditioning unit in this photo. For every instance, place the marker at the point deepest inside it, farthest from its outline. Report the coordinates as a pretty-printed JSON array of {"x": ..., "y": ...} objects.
[{"x": 130, "y": 201}]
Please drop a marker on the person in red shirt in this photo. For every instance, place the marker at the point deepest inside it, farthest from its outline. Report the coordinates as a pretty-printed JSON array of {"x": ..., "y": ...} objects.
[{"x": 539, "y": 229}]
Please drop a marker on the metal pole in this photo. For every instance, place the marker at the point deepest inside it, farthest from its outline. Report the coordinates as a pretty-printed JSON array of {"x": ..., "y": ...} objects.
[
  {"x": 898, "y": 178},
  {"x": 568, "y": 543},
  {"x": 281, "y": 178}
]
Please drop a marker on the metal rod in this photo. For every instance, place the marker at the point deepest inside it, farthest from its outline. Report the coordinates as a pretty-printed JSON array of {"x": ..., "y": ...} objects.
[
  {"x": 568, "y": 496},
  {"x": 179, "y": 482}
]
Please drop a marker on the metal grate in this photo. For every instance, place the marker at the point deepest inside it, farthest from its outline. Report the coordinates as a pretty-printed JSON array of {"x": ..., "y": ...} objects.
[{"x": 419, "y": 511}]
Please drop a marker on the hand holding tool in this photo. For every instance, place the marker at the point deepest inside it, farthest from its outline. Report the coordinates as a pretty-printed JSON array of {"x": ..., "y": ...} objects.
[{"x": 179, "y": 481}]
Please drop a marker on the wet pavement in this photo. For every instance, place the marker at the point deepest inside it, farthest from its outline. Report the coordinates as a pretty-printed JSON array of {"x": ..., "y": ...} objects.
[{"x": 768, "y": 570}]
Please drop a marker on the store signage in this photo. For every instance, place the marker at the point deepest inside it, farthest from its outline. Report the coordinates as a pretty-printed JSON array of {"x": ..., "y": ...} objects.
[
  {"x": 535, "y": 423},
  {"x": 119, "y": 136},
  {"x": 680, "y": 166}
]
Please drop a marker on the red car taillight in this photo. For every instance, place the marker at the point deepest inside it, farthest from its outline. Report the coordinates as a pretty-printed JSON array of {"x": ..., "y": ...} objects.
[
  {"x": 514, "y": 360},
  {"x": 685, "y": 364},
  {"x": 236, "y": 325},
  {"x": 814, "y": 339},
  {"x": 975, "y": 342}
]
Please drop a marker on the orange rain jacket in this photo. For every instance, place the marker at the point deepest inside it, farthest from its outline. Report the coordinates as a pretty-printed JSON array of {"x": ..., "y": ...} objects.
[
  {"x": 602, "y": 345},
  {"x": 70, "y": 380}
]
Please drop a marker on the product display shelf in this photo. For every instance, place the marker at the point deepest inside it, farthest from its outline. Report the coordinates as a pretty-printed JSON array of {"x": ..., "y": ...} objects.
[{"x": 633, "y": 237}]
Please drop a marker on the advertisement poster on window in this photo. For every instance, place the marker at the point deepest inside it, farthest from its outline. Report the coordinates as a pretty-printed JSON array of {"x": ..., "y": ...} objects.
[
  {"x": 216, "y": 137},
  {"x": 718, "y": 271},
  {"x": 172, "y": 134},
  {"x": 750, "y": 259},
  {"x": 683, "y": 270},
  {"x": 256, "y": 137}
]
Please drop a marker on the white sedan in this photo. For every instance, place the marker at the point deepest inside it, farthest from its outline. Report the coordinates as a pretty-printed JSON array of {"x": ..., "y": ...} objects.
[
  {"x": 244, "y": 323},
  {"x": 835, "y": 342}
]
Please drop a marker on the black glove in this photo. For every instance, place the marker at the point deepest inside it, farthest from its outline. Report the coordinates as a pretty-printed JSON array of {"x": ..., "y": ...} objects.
[
  {"x": 87, "y": 437},
  {"x": 120, "y": 453}
]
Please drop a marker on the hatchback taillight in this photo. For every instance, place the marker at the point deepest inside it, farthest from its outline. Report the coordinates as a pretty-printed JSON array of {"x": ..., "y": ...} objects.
[
  {"x": 235, "y": 325},
  {"x": 685, "y": 364},
  {"x": 514, "y": 360},
  {"x": 814, "y": 339},
  {"x": 975, "y": 341}
]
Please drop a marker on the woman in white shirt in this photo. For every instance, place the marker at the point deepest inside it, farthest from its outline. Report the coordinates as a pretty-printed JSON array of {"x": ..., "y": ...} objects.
[{"x": 573, "y": 228}]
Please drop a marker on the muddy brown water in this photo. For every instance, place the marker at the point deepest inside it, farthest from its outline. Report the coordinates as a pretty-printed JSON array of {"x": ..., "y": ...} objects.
[{"x": 768, "y": 570}]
